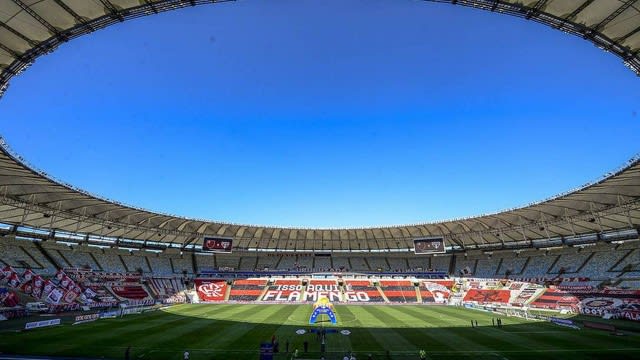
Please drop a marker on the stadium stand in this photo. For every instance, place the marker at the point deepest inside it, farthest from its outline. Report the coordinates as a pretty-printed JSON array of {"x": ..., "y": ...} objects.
[
  {"x": 206, "y": 262},
  {"x": 341, "y": 263},
  {"x": 441, "y": 263},
  {"x": 159, "y": 264},
  {"x": 267, "y": 262},
  {"x": 322, "y": 263},
  {"x": 248, "y": 262},
  {"x": 512, "y": 266},
  {"x": 135, "y": 263},
  {"x": 365, "y": 286},
  {"x": 399, "y": 291},
  {"x": 247, "y": 289},
  {"x": 288, "y": 262},
  {"x": 227, "y": 261},
  {"x": 359, "y": 263},
  {"x": 377, "y": 263},
  {"x": 538, "y": 264},
  {"x": 182, "y": 264}
]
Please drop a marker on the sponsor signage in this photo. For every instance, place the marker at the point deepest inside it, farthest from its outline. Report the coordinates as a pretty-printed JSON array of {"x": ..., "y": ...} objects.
[
  {"x": 217, "y": 244},
  {"x": 109, "y": 314},
  {"x": 432, "y": 245},
  {"x": 39, "y": 324},
  {"x": 86, "y": 318}
]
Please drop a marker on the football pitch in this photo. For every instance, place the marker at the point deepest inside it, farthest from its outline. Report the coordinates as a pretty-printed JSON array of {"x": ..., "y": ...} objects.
[{"x": 233, "y": 331}]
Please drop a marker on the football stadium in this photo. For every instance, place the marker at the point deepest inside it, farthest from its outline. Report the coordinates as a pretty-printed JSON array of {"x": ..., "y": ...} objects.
[{"x": 87, "y": 277}]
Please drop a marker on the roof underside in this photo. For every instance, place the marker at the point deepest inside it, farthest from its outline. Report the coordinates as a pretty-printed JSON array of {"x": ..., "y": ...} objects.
[
  {"x": 31, "y": 198},
  {"x": 31, "y": 28}
]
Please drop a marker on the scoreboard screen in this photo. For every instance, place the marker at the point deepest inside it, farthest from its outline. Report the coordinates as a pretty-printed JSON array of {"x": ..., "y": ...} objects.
[
  {"x": 217, "y": 244},
  {"x": 428, "y": 245}
]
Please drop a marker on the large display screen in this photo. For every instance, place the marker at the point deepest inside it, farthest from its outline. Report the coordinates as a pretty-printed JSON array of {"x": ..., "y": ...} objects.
[
  {"x": 216, "y": 244},
  {"x": 428, "y": 245}
]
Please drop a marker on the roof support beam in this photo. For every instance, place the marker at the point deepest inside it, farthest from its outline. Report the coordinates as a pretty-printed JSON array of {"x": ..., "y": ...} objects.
[
  {"x": 614, "y": 15},
  {"x": 535, "y": 9},
  {"x": 578, "y": 10},
  {"x": 628, "y": 35},
  {"x": 18, "y": 34},
  {"x": 70, "y": 11},
  {"x": 113, "y": 11},
  {"x": 41, "y": 20}
]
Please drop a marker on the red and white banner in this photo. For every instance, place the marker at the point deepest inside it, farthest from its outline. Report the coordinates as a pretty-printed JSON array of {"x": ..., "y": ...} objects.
[
  {"x": 27, "y": 275},
  {"x": 13, "y": 280},
  {"x": 69, "y": 297},
  {"x": 6, "y": 272},
  {"x": 38, "y": 284},
  {"x": 8, "y": 299},
  {"x": 57, "y": 278},
  {"x": 66, "y": 282},
  {"x": 27, "y": 287},
  {"x": 55, "y": 296},
  {"x": 211, "y": 290},
  {"x": 47, "y": 287}
]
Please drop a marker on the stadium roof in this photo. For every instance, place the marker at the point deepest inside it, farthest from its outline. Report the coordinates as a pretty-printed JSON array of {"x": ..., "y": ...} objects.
[
  {"x": 31, "y": 28},
  {"x": 32, "y": 198}
]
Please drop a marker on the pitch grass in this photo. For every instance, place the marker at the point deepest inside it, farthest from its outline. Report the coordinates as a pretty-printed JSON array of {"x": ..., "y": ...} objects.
[{"x": 231, "y": 331}]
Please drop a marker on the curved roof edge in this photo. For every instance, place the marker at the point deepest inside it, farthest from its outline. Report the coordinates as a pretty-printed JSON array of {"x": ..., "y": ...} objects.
[
  {"x": 4, "y": 145},
  {"x": 24, "y": 186}
]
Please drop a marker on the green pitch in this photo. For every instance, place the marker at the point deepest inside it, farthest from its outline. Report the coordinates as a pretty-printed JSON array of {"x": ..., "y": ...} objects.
[{"x": 228, "y": 331}]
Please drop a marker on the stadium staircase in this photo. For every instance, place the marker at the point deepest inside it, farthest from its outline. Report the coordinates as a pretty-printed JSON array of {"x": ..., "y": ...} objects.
[
  {"x": 418, "y": 295},
  {"x": 146, "y": 259},
  {"x": 553, "y": 264},
  {"x": 64, "y": 258},
  {"x": 382, "y": 293},
  {"x": 264, "y": 291},
  {"x": 498, "y": 268},
  {"x": 46, "y": 255},
  {"x": 585, "y": 262},
  {"x": 124, "y": 264},
  {"x": 536, "y": 296},
  {"x": 611, "y": 269},
  {"x": 194, "y": 264},
  {"x": 277, "y": 266},
  {"x": 227, "y": 292},
  {"x": 40, "y": 266},
  {"x": 524, "y": 267},
  {"x": 99, "y": 267}
]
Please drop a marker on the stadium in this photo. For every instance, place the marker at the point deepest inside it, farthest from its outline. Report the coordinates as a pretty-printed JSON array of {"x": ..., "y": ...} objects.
[{"x": 87, "y": 277}]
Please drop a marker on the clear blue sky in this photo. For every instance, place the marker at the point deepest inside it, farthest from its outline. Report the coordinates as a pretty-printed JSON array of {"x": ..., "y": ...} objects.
[{"x": 325, "y": 113}]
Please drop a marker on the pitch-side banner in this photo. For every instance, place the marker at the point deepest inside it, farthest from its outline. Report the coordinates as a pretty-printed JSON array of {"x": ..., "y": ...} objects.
[
  {"x": 216, "y": 244},
  {"x": 211, "y": 290}
]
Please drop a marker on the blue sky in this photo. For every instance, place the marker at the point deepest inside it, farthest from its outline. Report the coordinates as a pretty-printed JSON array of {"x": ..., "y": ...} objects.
[{"x": 325, "y": 114}]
